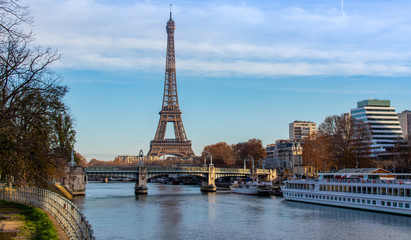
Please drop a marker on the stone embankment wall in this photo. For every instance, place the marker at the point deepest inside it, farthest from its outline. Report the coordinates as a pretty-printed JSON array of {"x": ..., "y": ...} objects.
[{"x": 67, "y": 214}]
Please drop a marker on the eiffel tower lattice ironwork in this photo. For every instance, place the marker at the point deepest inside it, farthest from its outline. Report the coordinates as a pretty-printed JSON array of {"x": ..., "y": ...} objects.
[{"x": 170, "y": 111}]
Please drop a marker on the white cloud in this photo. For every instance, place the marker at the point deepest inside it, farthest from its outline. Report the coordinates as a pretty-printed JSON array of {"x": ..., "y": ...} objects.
[{"x": 218, "y": 38}]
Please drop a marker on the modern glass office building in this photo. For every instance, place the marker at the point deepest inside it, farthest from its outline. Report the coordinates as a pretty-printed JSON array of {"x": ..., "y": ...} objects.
[{"x": 384, "y": 124}]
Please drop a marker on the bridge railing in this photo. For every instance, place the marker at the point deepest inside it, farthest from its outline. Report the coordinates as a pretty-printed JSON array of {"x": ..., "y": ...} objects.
[
  {"x": 70, "y": 218},
  {"x": 233, "y": 170},
  {"x": 111, "y": 168},
  {"x": 263, "y": 171},
  {"x": 172, "y": 169}
]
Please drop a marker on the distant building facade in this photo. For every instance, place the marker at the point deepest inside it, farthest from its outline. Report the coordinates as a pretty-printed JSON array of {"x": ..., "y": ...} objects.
[
  {"x": 405, "y": 122},
  {"x": 384, "y": 125},
  {"x": 126, "y": 159},
  {"x": 287, "y": 155},
  {"x": 301, "y": 129}
]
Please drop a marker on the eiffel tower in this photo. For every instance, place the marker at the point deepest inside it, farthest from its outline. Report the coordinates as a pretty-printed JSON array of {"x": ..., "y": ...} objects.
[{"x": 170, "y": 111}]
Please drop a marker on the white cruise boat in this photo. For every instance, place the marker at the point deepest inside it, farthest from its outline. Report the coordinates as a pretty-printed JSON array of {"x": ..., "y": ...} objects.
[
  {"x": 368, "y": 189},
  {"x": 251, "y": 187}
]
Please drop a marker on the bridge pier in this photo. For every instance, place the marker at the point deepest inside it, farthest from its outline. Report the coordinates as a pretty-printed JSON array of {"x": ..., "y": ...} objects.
[
  {"x": 141, "y": 181},
  {"x": 209, "y": 185},
  {"x": 272, "y": 175}
]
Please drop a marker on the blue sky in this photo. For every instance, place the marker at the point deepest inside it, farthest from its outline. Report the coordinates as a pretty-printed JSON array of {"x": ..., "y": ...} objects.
[{"x": 245, "y": 69}]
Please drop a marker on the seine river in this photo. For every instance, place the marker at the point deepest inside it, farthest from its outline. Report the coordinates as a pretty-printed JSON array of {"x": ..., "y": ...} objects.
[{"x": 183, "y": 212}]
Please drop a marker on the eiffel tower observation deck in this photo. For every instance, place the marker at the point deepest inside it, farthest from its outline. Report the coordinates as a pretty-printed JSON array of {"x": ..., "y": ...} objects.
[{"x": 170, "y": 112}]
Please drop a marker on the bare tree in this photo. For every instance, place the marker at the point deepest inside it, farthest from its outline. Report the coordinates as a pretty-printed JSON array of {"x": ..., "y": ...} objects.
[
  {"x": 402, "y": 155},
  {"x": 316, "y": 152},
  {"x": 30, "y": 101},
  {"x": 348, "y": 141}
]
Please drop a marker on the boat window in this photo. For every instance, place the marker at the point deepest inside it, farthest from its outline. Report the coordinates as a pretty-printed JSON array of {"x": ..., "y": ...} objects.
[
  {"x": 401, "y": 205},
  {"x": 389, "y": 204},
  {"x": 328, "y": 198},
  {"x": 374, "y": 190},
  {"x": 368, "y": 201},
  {"x": 332, "y": 198},
  {"x": 369, "y": 190},
  {"x": 363, "y": 201},
  {"x": 339, "y": 199},
  {"x": 358, "y": 200},
  {"x": 401, "y": 192},
  {"x": 408, "y": 192},
  {"x": 395, "y": 192},
  {"x": 394, "y": 204},
  {"x": 382, "y": 203},
  {"x": 407, "y": 205},
  {"x": 389, "y": 191},
  {"x": 374, "y": 202},
  {"x": 364, "y": 190},
  {"x": 344, "y": 199},
  {"x": 383, "y": 191}
]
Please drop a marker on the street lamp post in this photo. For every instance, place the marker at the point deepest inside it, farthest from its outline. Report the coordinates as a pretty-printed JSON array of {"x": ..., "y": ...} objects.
[
  {"x": 246, "y": 159},
  {"x": 205, "y": 159},
  {"x": 141, "y": 154},
  {"x": 262, "y": 165}
]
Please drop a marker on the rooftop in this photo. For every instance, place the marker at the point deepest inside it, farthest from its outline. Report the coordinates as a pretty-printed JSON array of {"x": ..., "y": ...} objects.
[
  {"x": 373, "y": 102},
  {"x": 363, "y": 170}
]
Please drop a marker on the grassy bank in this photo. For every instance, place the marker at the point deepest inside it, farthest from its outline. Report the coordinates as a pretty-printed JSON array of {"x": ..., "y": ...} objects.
[{"x": 35, "y": 223}]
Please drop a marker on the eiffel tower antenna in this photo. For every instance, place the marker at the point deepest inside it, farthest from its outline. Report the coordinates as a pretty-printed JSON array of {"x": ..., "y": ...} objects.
[{"x": 170, "y": 111}]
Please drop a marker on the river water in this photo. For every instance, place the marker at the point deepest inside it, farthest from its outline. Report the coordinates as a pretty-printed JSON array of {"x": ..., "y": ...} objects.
[{"x": 183, "y": 212}]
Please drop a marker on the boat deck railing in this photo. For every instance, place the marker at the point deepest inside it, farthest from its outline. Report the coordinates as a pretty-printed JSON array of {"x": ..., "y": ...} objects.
[
  {"x": 357, "y": 180},
  {"x": 373, "y": 181}
]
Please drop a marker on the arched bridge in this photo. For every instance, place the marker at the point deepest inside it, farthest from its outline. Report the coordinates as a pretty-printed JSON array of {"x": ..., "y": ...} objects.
[{"x": 141, "y": 174}]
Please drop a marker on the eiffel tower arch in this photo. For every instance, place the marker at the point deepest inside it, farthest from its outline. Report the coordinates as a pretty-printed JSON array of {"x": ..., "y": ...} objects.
[{"x": 170, "y": 111}]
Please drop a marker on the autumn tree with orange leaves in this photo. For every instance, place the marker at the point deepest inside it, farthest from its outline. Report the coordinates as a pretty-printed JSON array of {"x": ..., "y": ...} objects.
[{"x": 221, "y": 152}]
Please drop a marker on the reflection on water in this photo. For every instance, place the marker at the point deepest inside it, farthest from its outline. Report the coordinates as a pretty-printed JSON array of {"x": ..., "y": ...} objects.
[{"x": 183, "y": 212}]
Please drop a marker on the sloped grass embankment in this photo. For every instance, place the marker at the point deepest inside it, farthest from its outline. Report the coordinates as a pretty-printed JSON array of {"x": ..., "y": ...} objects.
[{"x": 35, "y": 223}]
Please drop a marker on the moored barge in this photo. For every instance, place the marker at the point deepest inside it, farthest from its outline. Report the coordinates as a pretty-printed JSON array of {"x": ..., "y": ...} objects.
[{"x": 367, "y": 189}]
